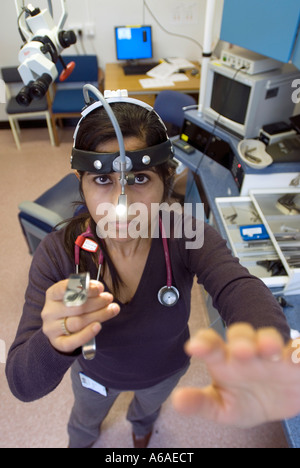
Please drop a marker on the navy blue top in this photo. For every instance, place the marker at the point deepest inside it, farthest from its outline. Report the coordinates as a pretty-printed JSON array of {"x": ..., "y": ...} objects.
[{"x": 143, "y": 345}]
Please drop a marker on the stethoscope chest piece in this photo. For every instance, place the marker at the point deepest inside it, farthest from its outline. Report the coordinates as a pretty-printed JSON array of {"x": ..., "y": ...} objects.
[{"x": 168, "y": 296}]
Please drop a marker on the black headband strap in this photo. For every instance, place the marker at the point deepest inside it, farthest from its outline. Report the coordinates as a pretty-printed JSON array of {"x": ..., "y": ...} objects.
[{"x": 102, "y": 163}]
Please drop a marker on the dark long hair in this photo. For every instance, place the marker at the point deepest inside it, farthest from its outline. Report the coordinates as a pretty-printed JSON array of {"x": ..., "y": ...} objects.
[{"x": 96, "y": 129}]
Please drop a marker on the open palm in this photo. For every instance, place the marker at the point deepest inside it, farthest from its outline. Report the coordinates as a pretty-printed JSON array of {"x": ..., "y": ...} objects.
[{"x": 255, "y": 377}]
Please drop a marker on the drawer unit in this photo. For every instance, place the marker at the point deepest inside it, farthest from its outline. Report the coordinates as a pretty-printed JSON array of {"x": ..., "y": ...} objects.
[{"x": 276, "y": 260}]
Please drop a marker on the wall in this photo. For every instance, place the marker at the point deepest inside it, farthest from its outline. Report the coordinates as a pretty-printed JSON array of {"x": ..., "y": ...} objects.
[
  {"x": 104, "y": 15},
  {"x": 184, "y": 17}
]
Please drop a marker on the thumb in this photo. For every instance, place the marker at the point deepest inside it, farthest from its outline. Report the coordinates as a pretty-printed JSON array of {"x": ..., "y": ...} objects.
[
  {"x": 205, "y": 402},
  {"x": 57, "y": 291},
  {"x": 68, "y": 344}
]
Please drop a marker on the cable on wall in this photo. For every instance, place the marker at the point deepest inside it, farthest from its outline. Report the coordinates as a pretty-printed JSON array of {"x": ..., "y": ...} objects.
[{"x": 182, "y": 36}]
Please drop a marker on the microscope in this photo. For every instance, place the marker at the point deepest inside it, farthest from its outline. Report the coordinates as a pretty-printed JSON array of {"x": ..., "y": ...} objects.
[{"x": 44, "y": 42}]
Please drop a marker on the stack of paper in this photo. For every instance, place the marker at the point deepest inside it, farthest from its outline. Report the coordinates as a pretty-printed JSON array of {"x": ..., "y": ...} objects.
[
  {"x": 181, "y": 63},
  {"x": 163, "y": 75}
]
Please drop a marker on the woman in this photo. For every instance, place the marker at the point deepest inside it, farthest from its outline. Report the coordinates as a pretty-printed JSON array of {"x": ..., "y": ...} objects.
[{"x": 140, "y": 342}]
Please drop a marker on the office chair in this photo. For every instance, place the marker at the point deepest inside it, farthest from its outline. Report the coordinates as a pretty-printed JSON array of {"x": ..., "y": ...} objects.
[
  {"x": 68, "y": 99},
  {"x": 16, "y": 112},
  {"x": 169, "y": 105},
  {"x": 42, "y": 216}
]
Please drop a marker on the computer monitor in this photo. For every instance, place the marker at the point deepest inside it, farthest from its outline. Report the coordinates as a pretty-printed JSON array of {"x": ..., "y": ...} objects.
[
  {"x": 242, "y": 104},
  {"x": 133, "y": 42}
]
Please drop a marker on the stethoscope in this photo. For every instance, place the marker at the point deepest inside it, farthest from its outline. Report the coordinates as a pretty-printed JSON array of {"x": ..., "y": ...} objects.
[{"x": 167, "y": 296}]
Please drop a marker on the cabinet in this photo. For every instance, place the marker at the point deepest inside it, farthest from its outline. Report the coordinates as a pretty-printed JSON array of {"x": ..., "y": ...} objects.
[
  {"x": 268, "y": 27},
  {"x": 276, "y": 260}
]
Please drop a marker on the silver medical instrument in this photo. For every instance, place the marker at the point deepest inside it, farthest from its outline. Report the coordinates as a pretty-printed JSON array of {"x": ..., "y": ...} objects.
[{"x": 76, "y": 295}]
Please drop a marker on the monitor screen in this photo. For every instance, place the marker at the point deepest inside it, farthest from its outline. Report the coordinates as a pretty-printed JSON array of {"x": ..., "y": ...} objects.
[
  {"x": 230, "y": 98},
  {"x": 133, "y": 42}
]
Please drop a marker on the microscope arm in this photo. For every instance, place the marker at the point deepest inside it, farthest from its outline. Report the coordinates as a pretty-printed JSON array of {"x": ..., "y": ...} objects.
[
  {"x": 21, "y": 20},
  {"x": 64, "y": 15}
]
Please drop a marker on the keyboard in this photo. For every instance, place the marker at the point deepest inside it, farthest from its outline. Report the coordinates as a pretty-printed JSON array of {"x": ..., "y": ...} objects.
[{"x": 140, "y": 69}]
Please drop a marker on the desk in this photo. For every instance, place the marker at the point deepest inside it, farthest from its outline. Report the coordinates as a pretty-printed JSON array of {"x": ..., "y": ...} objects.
[
  {"x": 218, "y": 182},
  {"x": 115, "y": 78}
]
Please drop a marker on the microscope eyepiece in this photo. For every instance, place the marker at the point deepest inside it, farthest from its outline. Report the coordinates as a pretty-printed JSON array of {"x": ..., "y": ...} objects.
[
  {"x": 24, "y": 98},
  {"x": 67, "y": 38},
  {"x": 39, "y": 88},
  {"x": 34, "y": 90}
]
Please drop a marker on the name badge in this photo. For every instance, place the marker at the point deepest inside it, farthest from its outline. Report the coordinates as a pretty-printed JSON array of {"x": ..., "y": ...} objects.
[{"x": 90, "y": 384}]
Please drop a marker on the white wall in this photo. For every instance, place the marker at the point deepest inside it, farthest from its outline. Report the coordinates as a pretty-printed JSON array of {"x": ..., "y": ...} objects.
[{"x": 105, "y": 14}]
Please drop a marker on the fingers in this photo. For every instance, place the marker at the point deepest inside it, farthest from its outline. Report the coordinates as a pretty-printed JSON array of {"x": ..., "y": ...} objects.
[
  {"x": 102, "y": 310},
  {"x": 270, "y": 344},
  {"x": 82, "y": 322},
  {"x": 97, "y": 301},
  {"x": 96, "y": 309},
  {"x": 204, "y": 401},
  {"x": 67, "y": 344},
  {"x": 92, "y": 304},
  {"x": 208, "y": 345},
  {"x": 250, "y": 373},
  {"x": 243, "y": 343},
  {"x": 57, "y": 291},
  {"x": 241, "y": 339}
]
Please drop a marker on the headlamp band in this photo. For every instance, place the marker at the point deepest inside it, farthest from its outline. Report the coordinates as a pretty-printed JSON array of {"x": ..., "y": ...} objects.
[
  {"x": 121, "y": 99},
  {"x": 103, "y": 163},
  {"x": 106, "y": 163}
]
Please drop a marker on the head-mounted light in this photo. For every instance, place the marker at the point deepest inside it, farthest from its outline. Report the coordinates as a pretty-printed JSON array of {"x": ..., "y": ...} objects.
[{"x": 123, "y": 162}]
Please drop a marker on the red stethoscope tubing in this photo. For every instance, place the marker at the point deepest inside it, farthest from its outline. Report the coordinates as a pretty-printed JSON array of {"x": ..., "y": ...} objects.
[
  {"x": 167, "y": 254},
  {"x": 170, "y": 290}
]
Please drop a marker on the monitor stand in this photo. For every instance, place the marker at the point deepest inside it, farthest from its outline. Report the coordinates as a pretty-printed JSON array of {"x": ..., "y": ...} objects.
[{"x": 134, "y": 67}]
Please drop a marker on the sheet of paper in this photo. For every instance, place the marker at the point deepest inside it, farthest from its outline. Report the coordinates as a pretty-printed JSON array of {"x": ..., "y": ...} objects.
[
  {"x": 179, "y": 77},
  {"x": 162, "y": 71},
  {"x": 155, "y": 83},
  {"x": 180, "y": 62}
]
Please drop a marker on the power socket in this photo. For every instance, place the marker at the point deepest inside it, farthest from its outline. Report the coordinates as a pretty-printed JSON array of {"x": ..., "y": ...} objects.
[
  {"x": 89, "y": 30},
  {"x": 83, "y": 31}
]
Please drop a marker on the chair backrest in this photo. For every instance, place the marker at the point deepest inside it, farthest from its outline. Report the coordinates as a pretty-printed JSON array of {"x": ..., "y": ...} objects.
[
  {"x": 86, "y": 69},
  {"x": 40, "y": 217},
  {"x": 169, "y": 104}
]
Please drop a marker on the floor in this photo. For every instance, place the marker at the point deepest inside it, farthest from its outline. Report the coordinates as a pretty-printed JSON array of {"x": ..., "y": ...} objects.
[{"x": 25, "y": 175}]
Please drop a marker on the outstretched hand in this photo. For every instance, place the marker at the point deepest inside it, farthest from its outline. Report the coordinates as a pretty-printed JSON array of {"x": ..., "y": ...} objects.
[{"x": 255, "y": 377}]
